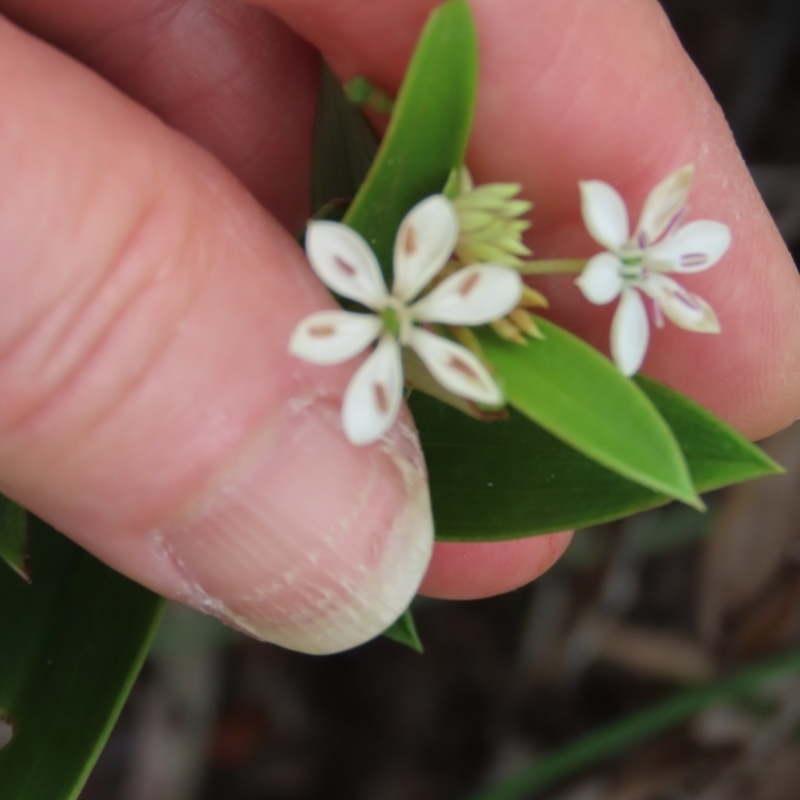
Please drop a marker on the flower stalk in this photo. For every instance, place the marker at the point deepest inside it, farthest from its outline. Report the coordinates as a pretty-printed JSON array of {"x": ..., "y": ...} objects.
[{"x": 553, "y": 266}]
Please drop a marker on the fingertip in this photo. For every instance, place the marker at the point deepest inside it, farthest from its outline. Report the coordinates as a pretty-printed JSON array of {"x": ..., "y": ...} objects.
[
  {"x": 305, "y": 540},
  {"x": 470, "y": 571}
]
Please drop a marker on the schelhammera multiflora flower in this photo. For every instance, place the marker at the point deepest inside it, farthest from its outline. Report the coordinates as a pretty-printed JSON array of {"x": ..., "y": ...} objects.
[
  {"x": 490, "y": 229},
  {"x": 638, "y": 265},
  {"x": 474, "y": 295}
]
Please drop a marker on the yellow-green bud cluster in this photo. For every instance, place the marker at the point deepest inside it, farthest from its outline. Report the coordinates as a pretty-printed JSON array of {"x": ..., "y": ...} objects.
[{"x": 490, "y": 228}]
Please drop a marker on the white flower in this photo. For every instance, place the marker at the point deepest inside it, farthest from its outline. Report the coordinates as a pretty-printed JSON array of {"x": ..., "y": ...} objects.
[
  {"x": 636, "y": 265},
  {"x": 472, "y": 296}
]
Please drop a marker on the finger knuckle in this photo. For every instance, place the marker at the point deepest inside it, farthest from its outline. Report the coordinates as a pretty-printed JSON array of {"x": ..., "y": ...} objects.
[{"x": 93, "y": 321}]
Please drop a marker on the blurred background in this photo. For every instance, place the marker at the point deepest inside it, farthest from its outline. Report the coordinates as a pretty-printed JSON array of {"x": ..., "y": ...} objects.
[{"x": 627, "y": 638}]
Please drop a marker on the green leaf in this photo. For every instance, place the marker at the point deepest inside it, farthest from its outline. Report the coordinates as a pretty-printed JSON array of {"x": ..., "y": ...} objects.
[
  {"x": 404, "y": 631},
  {"x": 717, "y": 454},
  {"x": 343, "y": 149},
  {"x": 13, "y": 536},
  {"x": 428, "y": 132},
  {"x": 184, "y": 630},
  {"x": 71, "y": 644},
  {"x": 577, "y": 394},
  {"x": 491, "y": 481}
]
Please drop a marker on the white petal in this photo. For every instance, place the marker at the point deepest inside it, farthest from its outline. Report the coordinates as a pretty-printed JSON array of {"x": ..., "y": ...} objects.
[
  {"x": 425, "y": 240},
  {"x": 664, "y": 206},
  {"x": 329, "y": 337},
  {"x": 601, "y": 280},
  {"x": 693, "y": 248},
  {"x": 472, "y": 296},
  {"x": 374, "y": 394},
  {"x": 630, "y": 332},
  {"x": 455, "y": 368},
  {"x": 685, "y": 309},
  {"x": 345, "y": 262},
  {"x": 604, "y": 214}
]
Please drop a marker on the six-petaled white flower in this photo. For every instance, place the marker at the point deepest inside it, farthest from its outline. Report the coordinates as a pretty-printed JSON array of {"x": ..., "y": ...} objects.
[
  {"x": 475, "y": 295},
  {"x": 636, "y": 265}
]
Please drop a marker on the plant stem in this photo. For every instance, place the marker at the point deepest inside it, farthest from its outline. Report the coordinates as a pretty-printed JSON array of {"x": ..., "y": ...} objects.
[
  {"x": 633, "y": 730},
  {"x": 552, "y": 266}
]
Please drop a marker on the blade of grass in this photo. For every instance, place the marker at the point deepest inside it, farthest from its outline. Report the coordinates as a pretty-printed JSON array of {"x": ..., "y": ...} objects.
[{"x": 635, "y": 729}]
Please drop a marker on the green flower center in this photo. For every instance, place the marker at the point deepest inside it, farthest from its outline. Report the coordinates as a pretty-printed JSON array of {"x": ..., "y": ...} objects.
[
  {"x": 391, "y": 321},
  {"x": 631, "y": 266}
]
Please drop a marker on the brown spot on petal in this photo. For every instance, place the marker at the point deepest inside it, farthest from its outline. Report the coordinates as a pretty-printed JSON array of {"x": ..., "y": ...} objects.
[
  {"x": 459, "y": 365},
  {"x": 469, "y": 284},
  {"x": 320, "y": 331},
  {"x": 410, "y": 240},
  {"x": 381, "y": 397},
  {"x": 348, "y": 269}
]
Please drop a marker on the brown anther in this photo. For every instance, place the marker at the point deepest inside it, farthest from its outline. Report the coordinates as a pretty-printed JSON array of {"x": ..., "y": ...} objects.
[
  {"x": 465, "y": 369},
  {"x": 469, "y": 284},
  {"x": 348, "y": 269},
  {"x": 410, "y": 240},
  {"x": 381, "y": 397},
  {"x": 321, "y": 330}
]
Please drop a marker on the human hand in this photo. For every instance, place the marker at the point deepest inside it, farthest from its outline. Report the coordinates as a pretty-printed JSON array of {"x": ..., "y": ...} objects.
[{"x": 149, "y": 407}]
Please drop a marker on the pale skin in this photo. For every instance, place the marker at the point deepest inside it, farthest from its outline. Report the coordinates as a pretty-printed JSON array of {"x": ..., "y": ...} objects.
[{"x": 149, "y": 289}]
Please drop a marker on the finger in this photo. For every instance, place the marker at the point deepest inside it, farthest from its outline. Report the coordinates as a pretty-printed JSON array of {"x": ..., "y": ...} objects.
[
  {"x": 229, "y": 75},
  {"x": 148, "y": 406},
  {"x": 582, "y": 90},
  {"x": 136, "y": 44},
  {"x": 470, "y": 571}
]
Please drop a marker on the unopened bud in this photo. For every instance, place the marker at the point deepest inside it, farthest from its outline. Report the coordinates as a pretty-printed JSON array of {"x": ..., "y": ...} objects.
[
  {"x": 507, "y": 330},
  {"x": 532, "y": 299},
  {"x": 525, "y": 322}
]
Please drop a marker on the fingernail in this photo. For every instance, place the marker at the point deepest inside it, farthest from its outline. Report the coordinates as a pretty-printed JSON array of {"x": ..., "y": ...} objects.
[{"x": 305, "y": 540}]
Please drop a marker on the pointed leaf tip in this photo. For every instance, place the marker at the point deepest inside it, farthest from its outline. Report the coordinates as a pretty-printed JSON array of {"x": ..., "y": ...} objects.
[
  {"x": 510, "y": 479},
  {"x": 404, "y": 631},
  {"x": 727, "y": 455},
  {"x": 578, "y": 395}
]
